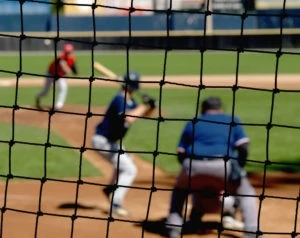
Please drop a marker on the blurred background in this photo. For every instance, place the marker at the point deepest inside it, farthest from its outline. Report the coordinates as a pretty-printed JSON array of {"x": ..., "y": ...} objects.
[{"x": 255, "y": 23}]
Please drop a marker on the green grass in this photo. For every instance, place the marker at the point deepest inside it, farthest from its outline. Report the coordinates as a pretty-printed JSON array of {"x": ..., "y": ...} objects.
[
  {"x": 26, "y": 158},
  {"x": 178, "y": 63},
  {"x": 254, "y": 109},
  {"x": 279, "y": 144}
]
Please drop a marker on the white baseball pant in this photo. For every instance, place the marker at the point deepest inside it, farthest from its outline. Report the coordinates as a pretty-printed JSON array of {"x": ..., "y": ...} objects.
[
  {"x": 215, "y": 168},
  {"x": 62, "y": 91},
  {"x": 124, "y": 168}
]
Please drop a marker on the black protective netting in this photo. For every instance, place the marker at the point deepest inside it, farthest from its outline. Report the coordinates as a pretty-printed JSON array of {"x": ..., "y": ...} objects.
[{"x": 167, "y": 41}]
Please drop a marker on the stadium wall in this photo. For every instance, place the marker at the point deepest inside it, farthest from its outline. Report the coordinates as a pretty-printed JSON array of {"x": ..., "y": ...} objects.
[{"x": 226, "y": 30}]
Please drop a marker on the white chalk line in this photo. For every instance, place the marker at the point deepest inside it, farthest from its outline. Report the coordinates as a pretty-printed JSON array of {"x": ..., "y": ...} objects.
[{"x": 282, "y": 81}]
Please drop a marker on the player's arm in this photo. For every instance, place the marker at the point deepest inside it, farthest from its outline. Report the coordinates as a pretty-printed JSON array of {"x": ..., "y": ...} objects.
[
  {"x": 65, "y": 67},
  {"x": 241, "y": 143},
  {"x": 74, "y": 69},
  {"x": 181, "y": 155},
  {"x": 145, "y": 109},
  {"x": 133, "y": 114},
  {"x": 242, "y": 150},
  {"x": 139, "y": 111},
  {"x": 184, "y": 142}
]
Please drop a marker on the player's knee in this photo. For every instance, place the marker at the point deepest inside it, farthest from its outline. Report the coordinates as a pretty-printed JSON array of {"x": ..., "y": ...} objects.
[
  {"x": 126, "y": 165},
  {"x": 229, "y": 203},
  {"x": 132, "y": 170},
  {"x": 246, "y": 187},
  {"x": 101, "y": 145}
]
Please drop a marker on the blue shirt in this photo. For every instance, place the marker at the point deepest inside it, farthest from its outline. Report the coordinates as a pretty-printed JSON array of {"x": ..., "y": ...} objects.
[
  {"x": 210, "y": 136},
  {"x": 113, "y": 125}
]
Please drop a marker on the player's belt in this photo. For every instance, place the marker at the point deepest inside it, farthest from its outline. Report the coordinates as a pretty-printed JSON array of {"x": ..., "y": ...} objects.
[{"x": 205, "y": 158}]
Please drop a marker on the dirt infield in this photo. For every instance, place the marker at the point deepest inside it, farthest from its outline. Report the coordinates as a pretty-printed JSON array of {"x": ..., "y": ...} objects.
[
  {"x": 23, "y": 200},
  {"x": 282, "y": 81}
]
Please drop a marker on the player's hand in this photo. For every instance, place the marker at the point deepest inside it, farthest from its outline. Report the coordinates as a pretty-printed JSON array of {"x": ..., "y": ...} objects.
[
  {"x": 181, "y": 156},
  {"x": 151, "y": 102}
]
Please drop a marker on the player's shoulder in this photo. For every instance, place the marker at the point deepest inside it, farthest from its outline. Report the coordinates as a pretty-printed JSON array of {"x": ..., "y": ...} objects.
[
  {"x": 118, "y": 97},
  {"x": 70, "y": 58},
  {"x": 233, "y": 118},
  {"x": 217, "y": 117}
]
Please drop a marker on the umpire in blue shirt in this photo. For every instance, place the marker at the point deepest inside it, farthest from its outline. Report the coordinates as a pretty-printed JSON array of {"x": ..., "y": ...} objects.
[{"x": 213, "y": 149}]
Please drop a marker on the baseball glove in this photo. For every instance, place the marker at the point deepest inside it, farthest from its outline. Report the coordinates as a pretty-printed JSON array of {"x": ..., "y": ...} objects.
[{"x": 149, "y": 101}]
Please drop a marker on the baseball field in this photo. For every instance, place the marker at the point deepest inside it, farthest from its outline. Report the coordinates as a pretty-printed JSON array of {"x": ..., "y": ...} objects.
[{"x": 40, "y": 195}]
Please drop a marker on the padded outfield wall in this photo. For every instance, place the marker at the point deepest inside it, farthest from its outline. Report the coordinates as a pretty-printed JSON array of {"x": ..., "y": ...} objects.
[{"x": 150, "y": 29}]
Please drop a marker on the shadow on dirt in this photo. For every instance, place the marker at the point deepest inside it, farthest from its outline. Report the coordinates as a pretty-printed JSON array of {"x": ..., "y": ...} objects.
[
  {"x": 78, "y": 206},
  {"x": 159, "y": 227},
  {"x": 71, "y": 205},
  {"x": 273, "y": 179}
]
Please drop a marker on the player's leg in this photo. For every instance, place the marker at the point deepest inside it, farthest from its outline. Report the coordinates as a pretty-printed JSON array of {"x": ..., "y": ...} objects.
[
  {"x": 174, "y": 225},
  {"x": 62, "y": 91},
  {"x": 248, "y": 206},
  {"x": 208, "y": 179},
  {"x": 103, "y": 146},
  {"x": 212, "y": 202},
  {"x": 45, "y": 90},
  {"x": 196, "y": 214},
  {"x": 186, "y": 179},
  {"x": 229, "y": 220},
  {"x": 125, "y": 171},
  {"x": 179, "y": 194}
]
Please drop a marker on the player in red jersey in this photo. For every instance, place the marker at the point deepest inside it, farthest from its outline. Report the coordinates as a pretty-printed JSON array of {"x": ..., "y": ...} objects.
[{"x": 63, "y": 65}]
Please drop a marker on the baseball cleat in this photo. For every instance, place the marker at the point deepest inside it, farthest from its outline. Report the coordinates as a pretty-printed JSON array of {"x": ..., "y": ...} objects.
[
  {"x": 117, "y": 210},
  {"x": 58, "y": 106},
  {"x": 230, "y": 223}
]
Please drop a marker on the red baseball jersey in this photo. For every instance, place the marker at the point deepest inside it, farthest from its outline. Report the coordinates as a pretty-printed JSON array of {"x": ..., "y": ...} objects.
[{"x": 69, "y": 59}]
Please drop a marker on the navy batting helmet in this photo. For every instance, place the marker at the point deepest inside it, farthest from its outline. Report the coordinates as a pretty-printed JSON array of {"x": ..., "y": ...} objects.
[
  {"x": 211, "y": 103},
  {"x": 131, "y": 80}
]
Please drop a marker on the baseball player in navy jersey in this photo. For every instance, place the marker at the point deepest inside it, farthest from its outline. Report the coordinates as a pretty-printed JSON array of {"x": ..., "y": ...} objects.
[
  {"x": 213, "y": 148},
  {"x": 57, "y": 69},
  {"x": 120, "y": 114}
]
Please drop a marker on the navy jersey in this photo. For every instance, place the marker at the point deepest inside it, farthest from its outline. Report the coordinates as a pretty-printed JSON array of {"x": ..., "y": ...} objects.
[
  {"x": 113, "y": 126},
  {"x": 210, "y": 136}
]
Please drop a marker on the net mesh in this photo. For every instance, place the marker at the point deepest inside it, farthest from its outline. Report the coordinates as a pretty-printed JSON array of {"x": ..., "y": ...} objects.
[{"x": 78, "y": 213}]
